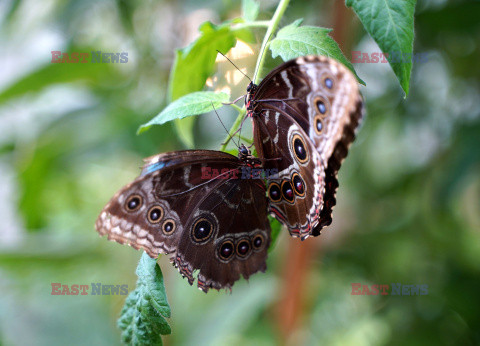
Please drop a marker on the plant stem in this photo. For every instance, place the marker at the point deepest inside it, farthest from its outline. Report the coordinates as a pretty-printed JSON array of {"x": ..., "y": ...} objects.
[
  {"x": 274, "y": 22},
  {"x": 272, "y": 27},
  {"x": 239, "y": 109},
  {"x": 247, "y": 140},
  {"x": 236, "y": 125},
  {"x": 255, "y": 24}
]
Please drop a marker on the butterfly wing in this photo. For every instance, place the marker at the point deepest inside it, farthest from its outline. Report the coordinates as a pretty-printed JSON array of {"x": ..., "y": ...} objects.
[
  {"x": 321, "y": 96},
  {"x": 296, "y": 189},
  {"x": 189, "y": 204},
  {"x": 236, "y": 215}
]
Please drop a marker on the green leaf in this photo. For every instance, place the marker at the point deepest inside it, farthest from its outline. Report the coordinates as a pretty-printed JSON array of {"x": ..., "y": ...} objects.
[
  {"x": 293, "y": 41},
  {"x": 150, "y": 275},
  {"x": 184, "y": 129},
  {"x": 390, "y": 23},
  {"x": 250, "y": 10},
  {"x": 44, "y": 76},
  {"x": 195, "y": 63},
  {"x": 192, "y": 104},
  {"x": 142, "y": 320}
]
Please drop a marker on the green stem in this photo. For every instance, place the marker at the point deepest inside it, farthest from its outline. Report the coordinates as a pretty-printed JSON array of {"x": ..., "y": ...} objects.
[
  {"x": 256, "y": 24},
  {"x": 274, "y": 22},
  {"x": 236, "y": 125},
  {"x": 247, "y": 140},
  {"x": 272, "y": 27},
  {"x": 239, "y": 109}
]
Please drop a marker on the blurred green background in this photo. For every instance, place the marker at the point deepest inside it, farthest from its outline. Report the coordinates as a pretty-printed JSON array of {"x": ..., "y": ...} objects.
[{"x": 408, "y": 207}]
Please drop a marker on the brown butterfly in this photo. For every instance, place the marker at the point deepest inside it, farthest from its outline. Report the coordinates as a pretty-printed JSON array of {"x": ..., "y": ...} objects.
[
  {"x": 305, "y": 112},
  {"x": 195, "y": 205}
]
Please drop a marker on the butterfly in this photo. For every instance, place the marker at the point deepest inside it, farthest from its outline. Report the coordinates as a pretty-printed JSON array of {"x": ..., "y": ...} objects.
[
  {"x": 305, "y": 113},
  {"x": 201, "y": 207}
]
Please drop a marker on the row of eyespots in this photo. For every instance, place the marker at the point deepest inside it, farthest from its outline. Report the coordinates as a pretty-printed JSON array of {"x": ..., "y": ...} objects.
[
  {"x": 203, "y": 229},
  {"x": 287, "y": 190},
  {"x": 241, "y": 247},
  {"x": 322, "y": 107},
  {"x": 154, "y": 215}
]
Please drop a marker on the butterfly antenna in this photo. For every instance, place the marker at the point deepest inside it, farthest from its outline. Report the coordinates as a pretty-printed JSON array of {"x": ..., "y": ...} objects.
[
  {"x": 234, "y": 65},
  {"x": 228, "y": 133}
]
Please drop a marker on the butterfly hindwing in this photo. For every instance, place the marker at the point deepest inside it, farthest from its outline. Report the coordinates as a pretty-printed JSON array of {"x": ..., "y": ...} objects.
[
  {"x": 295, "y": 193},
  {"x": 227, "y": 235}
]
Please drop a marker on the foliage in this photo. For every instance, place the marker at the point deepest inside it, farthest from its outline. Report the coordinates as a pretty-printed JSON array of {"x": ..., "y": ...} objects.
[
  {"x": 294, "y": 40},
  {"x": 143, "y": 317},
  {"x": 390, "y": 23},
  {"x": 192, "y": 104},
  {"x": 192, "y": 67},
  {"x": 250, "y": 10}
]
